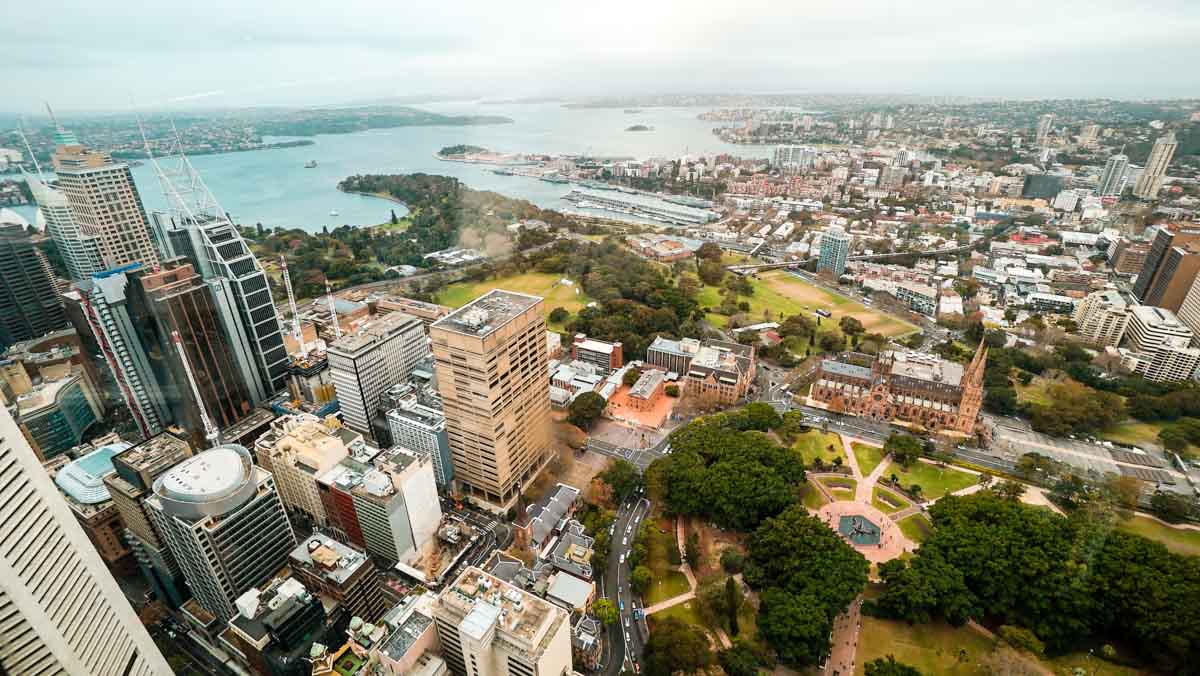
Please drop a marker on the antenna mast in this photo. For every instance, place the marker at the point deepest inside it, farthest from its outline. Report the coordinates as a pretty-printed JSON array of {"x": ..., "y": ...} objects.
[
  {"x": 211, "y": 433},
  {"x": 287, "y": 284},
  {"x": 337, "y": 329}
]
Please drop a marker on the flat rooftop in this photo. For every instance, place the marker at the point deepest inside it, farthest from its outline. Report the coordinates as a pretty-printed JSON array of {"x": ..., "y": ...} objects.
[
  {"x": 379, "y": 328},
  {"x": 484, "y": 600},
  {"x": 486, "y": 314},
  {"x": 333, "y": 560}
]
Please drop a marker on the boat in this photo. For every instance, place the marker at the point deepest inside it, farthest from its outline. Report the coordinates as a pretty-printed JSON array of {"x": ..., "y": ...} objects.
[
  {"x": 333, "y": 212},
  {"x": 555, "y": 179},
  {"x": 311, "y": 164},
  {"x": 503, "y": 172}
]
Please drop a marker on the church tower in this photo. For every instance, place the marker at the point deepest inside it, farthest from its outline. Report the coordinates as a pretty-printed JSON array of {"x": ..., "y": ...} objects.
[{"x": 972, "y": 391}]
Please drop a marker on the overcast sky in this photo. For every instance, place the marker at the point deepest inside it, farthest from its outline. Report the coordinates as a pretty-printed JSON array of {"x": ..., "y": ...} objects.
[{"x": 113, "y": 54}]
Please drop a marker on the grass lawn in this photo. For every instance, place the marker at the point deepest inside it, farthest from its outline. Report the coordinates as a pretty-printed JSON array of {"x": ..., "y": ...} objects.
[
  {"x": 916, "y": 527},
  {"x": 813, "y": 498},
  {"x": 1142, "y": 434},
  {"x": 868, "y": 456},
  {"x": 843, "y": 489},
  {"x": 537, "y": 283},
  {"x": 1067, "y": 665},
  {"x": 667, "y": 582},
  {"x": 783, "y": 294},
  {"x": 685, "y": 611},
  {"x": 1178, "y": 540},
  {"x": 935, "y": 648},
  {"x": 816, "y": 444},
  {"x": 886, "y": 501},
  {"x": 934, "y": 481}
]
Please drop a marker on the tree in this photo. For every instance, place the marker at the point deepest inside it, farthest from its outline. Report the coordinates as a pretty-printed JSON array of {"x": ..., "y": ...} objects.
[
  {"x": 671, "y": 390},
  {"x": 888, "y": 666},
  {"x": 1022, "y": 639},
  {"x": 831, "y": 341},
  {"x": 676, "y": 646},
  {"x": 733, "y": 603},
  {"x": 740, "y": 659},
  {"x": 1125, "y": 491},
  {"x": 558, "y": 315},
  {"x": 796, "y": 626},
  {"x": 631, "y": 377},
  {"x": 1170, "y": 506},
  {"x": 605, "y": 611},
  {"x": 393, "y": 220},
  {"x": 585, "y": 409},
  {"x": 851, "y": 326},
  {"x": 904, "y": 448},
  {"x": 710, "y": 272},
  {"x": 1010, "y": 490},
  {"x": 691, "y": 549},
  {"x": 732, "y": 560},
  {"x": 623, "y": 477},
  {"x": 639, "y": 580},
  {"x": 709, "y": 251}
]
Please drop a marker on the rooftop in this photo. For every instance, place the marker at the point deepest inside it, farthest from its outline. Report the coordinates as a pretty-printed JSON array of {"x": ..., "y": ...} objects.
[
  {"x": 152, "y": 455},
  {"x": 44, "y": 395},
  {"x": 83, "y": 479},
  {"x": 377, "y": 329},
  {"x": 570, "y": 589},
  {"x": 406, "y": 634},
  {"x": 647, "y": 383},
  {"x": 926, "y": 367},
  {"x": 211, "y": 475},
  {"x": 485, "y": 601},
  {"x": 334, "y": 561},
  {"x": 486, "y": 314}
]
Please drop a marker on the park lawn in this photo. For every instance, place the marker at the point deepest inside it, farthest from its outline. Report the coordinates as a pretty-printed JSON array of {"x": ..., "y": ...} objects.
[
  {"x": 1178, "y": 540},
  {"x": 1143, "y": 434},
  {"x": 815, "y": 444},
  {"x": 933, "y": 648},
  {"x": 934, "y": 481},
  {"x": 841, "y": 488},
  {"x": 1069, "y": 665},
  {"x": 666, "y": 581},
  {"x": 868, "y": 456},
  {"x": 812, "y": 497},
  {"x": 686, "y": 611},
  {"x": 785, "y": 285},
  {"x": 916, "y": 527},
  {"x": 886, "y": 501},
  {"x": 541, "y": 284}
]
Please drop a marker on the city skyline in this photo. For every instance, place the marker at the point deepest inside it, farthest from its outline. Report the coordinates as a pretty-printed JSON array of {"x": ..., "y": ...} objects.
[{"x": 253, "y": 55}]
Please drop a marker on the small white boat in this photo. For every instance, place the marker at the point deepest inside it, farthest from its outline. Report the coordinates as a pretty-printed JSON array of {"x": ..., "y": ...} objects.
[{"x": 333, "y": 212}]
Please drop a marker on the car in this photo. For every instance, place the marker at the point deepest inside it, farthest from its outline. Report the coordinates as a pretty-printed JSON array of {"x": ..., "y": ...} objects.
[
  {"x": 627, "y": 623},
  {"x": 622, "y": 559},
  {"x": 621, "y": 605},
  {"x": 624, "y": 542}
]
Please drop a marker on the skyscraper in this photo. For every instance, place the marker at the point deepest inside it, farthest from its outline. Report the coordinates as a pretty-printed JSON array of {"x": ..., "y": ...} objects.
[
  {"x": 197, "y": 227},
  {"x": 77, "y": 248},
  {"x": 62, "y": 610},
  {"x": 1045, "y": 122},
  {"x": 366, "y": 363},
  {"x": 835, "y": 248},
  {"x": 1161, "y": 261},
  {"x": 1151, "y": 180},
  {"x": 104, "y": 202},
  {"x": 222, "y": 519},
  {"x": 29, "y": 304},
  {"x": 1112, "y": 180},
  {"x": 491, "y": 366}
]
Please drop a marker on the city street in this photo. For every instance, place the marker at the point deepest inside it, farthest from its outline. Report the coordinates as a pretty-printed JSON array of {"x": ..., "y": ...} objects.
[{"x": 627, "y": 638}]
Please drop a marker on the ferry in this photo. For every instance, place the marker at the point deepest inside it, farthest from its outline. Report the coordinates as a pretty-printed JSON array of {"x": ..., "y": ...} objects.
[{"x": 311, "y": 164}]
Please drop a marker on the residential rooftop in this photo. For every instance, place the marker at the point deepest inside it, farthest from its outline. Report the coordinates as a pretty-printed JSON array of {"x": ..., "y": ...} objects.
[{"x": 484, "y": 315}]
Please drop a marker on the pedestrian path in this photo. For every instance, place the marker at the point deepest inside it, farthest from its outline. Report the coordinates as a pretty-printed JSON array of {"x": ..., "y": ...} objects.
[{"x": 846, "y": 629}]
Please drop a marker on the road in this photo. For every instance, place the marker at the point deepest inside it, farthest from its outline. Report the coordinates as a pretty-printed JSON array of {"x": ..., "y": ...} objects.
[{"x": 627, "y": 638}]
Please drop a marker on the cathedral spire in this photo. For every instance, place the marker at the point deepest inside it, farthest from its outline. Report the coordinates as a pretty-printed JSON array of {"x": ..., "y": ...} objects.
[{"x": 974, "y": 372}]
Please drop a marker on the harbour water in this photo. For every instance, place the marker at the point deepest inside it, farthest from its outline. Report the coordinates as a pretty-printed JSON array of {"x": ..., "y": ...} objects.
[{"x": 273, "y": 186}]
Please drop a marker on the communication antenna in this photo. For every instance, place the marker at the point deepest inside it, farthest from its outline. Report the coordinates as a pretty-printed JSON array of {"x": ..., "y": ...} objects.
[
  {"x": 287, "y": 284},
  {"x": 337, "y": 329},
  {"x": 211, "y": 433}
]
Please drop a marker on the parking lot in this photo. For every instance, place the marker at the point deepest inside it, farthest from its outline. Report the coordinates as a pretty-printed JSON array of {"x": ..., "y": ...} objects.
[{"x": 1013, "y": 440}]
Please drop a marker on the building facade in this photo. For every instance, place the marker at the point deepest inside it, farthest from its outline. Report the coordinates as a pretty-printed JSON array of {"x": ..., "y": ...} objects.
[
  {"x": 920, "y": 389},
  {"x": 1151, "y": 180},
  {"x": 29, "y": 302},
  {"x": 63, "y": 611},
  {"x": 297, "y": 450},
  {"x": 340, "y": 573},
  {"x": 1102, "y": 318},
  {"x": 422, "y": 430},
  {"x": 1112, "y": 181},
  {"x": 492, "y": 366},
  {"x": 365, "y": 364},
  {"x": 606, "y": 357},
  {"x": 835, "y": 249},
  {"x": 56, "y": 413},
  {"x": 78, "y": 249}
]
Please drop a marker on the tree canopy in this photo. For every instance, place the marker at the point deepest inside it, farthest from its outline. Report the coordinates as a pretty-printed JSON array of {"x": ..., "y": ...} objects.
[
  {"x": 676, "y": 646},
  {"x": 585, "y": 409}
]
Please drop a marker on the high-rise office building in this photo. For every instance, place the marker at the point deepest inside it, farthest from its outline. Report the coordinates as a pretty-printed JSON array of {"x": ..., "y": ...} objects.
[
  {"x": 491, "y": 369},
  {"x": 77, "y": 248},
  {"x": 103, "y": 303},
  {"x": 421, "y": 428},
  {"x": 29, "y": 303},
  {"x": 59, "y": 410},
  {"x": 835, "y": 249},
  {"x": 223, "y": 520},
  {"x": 1151, "y": 180},
  {"x": 1165, "y": 238},
  {"x": 366, "y": 363},
  {"x": 104, "y": 202},
  {"x": 341, "y": 574},
  {"x": 62, "y": 611},
  {"x": 1174, "y": 276},
  {"x": 1045, "y": 123},
  {"x": 131, "y": 482},
  {"x": 298, "y": 449},
  {"x": 171, "y": 301},
  {"x": 1112, "y": 181}
]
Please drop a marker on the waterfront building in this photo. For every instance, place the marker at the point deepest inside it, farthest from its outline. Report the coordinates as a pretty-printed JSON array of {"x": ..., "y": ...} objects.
[
  {"x": 912, "y": 387},
  {"x": 63, "y": 611},
  {"x": 488, "y": 627},
  {"x": 1151, "y": 180},
  {"x": 606, "y": 357},
  {"x": 130, "y": 483},
  {"x": 104, "y": 203},
  {"x": 1112, "y": 180},
  {"x": 1102, "y": 317},
  {"x": 491, "y": 363},
  {"x": 388, "y": 507},
  {"x": 82, "y": 485},
  {"x": 835, "y": 249},
  {"x": 29, "y": 303},
  {"x": 78, "y": 249},
  {"x": 367, "y": 362},
  {"x": 55, "y": 413},
  {"x": 223, "y": 520},
  {"x": 342, "y": 575}
]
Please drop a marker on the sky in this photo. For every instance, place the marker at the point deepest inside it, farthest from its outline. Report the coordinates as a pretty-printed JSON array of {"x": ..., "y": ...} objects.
[{"x": 120, "y": 55}]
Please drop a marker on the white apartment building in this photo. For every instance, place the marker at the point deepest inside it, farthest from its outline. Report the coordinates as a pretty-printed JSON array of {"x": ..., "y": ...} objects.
[
  {"x": 422, "y": 430},
  {"x": 364, "y": 364},
  {"x": 1189, "y": 310},
  {"x": 1152, "y": 327},
  {"x": 488, "y": 627},
  {"x": 1171, "y": 362},
  {"x": 1102, "y": 318},
  {"x": 61, "y": 611}
]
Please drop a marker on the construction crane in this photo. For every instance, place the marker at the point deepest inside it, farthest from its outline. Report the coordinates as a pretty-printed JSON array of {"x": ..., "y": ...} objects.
[
  {"x": 287, "y": 284},
  {"x": 211, "y": 433},
  {"x": 337, "y": 329}
]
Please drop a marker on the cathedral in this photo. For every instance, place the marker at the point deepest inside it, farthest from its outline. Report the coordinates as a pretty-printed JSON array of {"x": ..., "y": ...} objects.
[{"x": 910, "y": 387}]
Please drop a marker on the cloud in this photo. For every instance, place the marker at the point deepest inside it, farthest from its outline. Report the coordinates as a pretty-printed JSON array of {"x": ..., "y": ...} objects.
[{"x": 70, "y": 53}]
